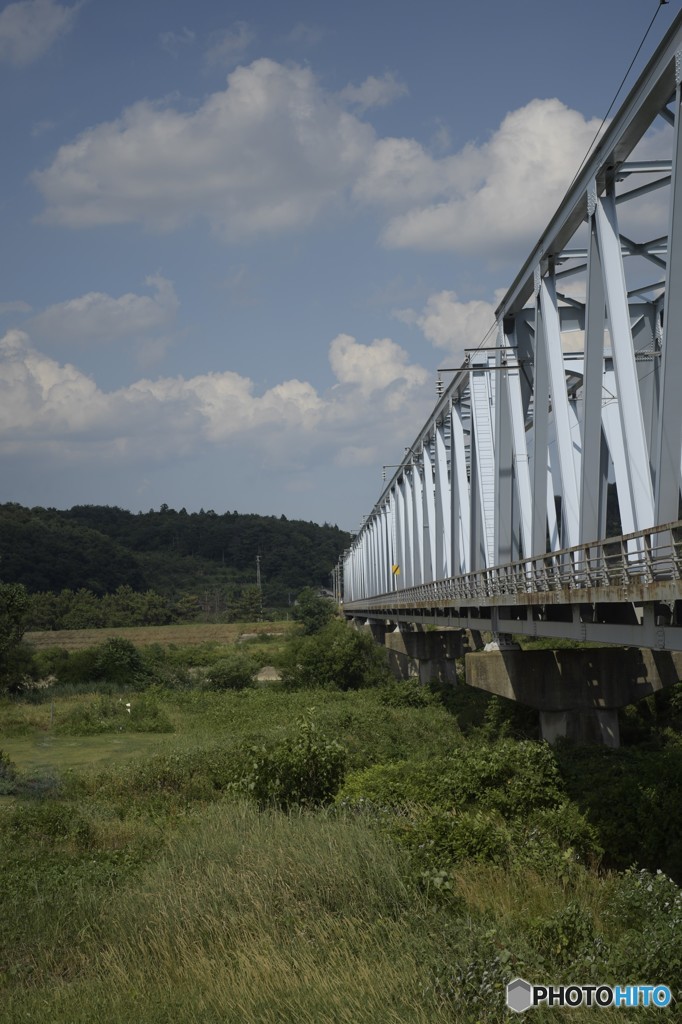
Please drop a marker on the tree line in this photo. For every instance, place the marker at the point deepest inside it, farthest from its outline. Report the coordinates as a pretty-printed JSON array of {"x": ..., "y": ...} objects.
[{"x": 99, "y": 548}]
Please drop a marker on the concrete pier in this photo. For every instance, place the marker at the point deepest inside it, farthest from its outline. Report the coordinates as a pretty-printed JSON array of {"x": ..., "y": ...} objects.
[{"x": 577, "y": 692}]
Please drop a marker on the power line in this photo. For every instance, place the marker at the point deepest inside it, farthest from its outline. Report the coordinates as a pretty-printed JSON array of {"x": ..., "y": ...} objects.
[{"x": 661, "y": 3}]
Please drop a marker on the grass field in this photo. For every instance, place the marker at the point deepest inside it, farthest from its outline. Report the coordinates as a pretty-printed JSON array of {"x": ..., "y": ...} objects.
[
  {"x": 182, "y": 635},
  {"x": 143, "y": 880}
]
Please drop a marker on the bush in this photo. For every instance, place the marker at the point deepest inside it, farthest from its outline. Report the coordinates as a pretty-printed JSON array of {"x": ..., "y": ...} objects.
[
  {"x": 440, "y": 839},
  {"x": 509, "y": 777},
  {"x": 409, "y": 693},
  {"x": 312, "y": 611},
  {"x": 235, "y": 671},
  {"x": 199, "y": 774},
  {"x": 49, "y": 823},
  {"x": 18, "y": 668},
  {"x": 116, "y": 663},
  {"x": 119, "y": 662},
  {"x": 306, "y": 770},
  {"x": 635, "y": 807},
  {"x": 337, "y": 657},
  {"x": 108, "y": 715},
  {"x": 8, "y": 775},
  {"x": 649, "y": 907}
]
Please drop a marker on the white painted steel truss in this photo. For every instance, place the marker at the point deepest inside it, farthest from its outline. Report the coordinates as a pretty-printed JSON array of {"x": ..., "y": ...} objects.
[{"x": 569, "y": 427}]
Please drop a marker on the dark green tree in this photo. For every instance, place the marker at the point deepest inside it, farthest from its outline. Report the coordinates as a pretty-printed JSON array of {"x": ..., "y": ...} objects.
[
  {"x": 313, "y": 611},
  {"x": 13, "y": 608}
]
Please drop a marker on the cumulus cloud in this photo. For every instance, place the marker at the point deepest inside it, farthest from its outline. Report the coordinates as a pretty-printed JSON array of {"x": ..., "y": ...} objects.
[
  {"x": 29, "y": 28},
  {"x": 45, "y": 402},
  {"x": 268, "y": 152},
  {"x": 273, "y": 150},
  {"x": 491, "y": 195},
  {"x": 98, "y": 317},
  {"x": 374, "y": 92},
  {"x": 372, "y": 367},
  {"x": 450, "y": 324}
]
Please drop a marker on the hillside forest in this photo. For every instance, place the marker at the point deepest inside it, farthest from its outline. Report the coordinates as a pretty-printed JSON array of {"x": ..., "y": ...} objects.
[{"x": 95, "y": 565}]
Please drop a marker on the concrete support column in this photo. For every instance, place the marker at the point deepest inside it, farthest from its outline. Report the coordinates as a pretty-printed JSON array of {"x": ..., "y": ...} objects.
[
  {"x": 577, "y": 692},
  {"x": 600, "y": 726},
  {"x": 429, "y": 656}
]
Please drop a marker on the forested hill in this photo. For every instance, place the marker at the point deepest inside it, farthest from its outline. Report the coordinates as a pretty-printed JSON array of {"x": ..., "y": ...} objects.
[{"x": 101, "y": 548}]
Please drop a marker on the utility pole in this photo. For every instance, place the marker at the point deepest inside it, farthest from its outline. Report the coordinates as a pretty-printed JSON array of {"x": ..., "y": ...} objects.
[{"x": 260, "y": 588}]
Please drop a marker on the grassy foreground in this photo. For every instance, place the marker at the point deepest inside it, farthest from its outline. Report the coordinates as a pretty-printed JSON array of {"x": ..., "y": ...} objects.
[{"x": 283, "y": 855}]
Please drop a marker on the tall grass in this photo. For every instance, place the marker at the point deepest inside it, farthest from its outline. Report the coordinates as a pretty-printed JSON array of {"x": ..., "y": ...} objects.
[{"x": 256, "y": 917}]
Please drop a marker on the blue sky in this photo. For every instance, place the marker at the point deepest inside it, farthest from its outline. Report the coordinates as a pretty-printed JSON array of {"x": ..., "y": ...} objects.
[{"x": 238, "y": 239}]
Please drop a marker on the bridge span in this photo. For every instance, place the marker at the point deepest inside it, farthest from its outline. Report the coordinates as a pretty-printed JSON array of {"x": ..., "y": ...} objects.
[{"x": 542, "y": 496}]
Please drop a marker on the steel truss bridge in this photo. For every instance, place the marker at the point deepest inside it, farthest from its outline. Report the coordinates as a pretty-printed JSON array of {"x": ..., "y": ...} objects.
[{"x": 567, "y": 429}]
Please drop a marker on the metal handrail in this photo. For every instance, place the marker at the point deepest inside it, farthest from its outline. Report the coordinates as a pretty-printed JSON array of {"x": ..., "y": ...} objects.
[{"x": 649, "y": 556}]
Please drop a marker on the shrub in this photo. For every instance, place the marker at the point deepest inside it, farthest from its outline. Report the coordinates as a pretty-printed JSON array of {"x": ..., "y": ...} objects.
[
  {"x": 409, "y": 693},
  {"x": 312, "y": 611},
  {"x": 48, "y": 823},
  {"x": 306, "y": 770},
  {"x": 141, "y": 714},
  {"x": 645, "y": 910},
  {"x": 338, "y": 657},
  {"x": 509, "y": 777},
  {"x": 235, "y": 671},
  {"x": 635, "y": 807},
  {"x": 440, "y": 839},
  {"x": 50, "y": 662},
  {"x": 77, "y": 668},
  {"x": 8, "y": 775},
  {"x": 119, "y": 662}
]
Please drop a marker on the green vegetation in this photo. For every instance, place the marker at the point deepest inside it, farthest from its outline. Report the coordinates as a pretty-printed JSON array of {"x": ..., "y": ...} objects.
[
  {"x": 93, "y": 566},
  {"x": 328, "y": 846}
]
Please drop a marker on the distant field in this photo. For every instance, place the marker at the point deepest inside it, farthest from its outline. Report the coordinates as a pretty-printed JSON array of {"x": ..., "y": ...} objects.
[{"x": 182, "y": 635}]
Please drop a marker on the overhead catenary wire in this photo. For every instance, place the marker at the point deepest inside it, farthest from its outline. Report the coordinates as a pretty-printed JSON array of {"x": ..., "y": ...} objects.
[{"x": 661, "y": 3}]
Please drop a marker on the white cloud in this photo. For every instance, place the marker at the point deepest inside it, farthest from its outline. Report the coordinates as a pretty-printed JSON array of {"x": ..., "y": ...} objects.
[
  {"x": 500, "y": 193},
  {"x": 273, "y": 150},
  {"x": 450, "y": 324},
  {"x": 374, "y": 92},
  {"x": 226, "y": 48},
  {"x": 98, "y": 317},
  {"x": 43, "y": 402},
  {"x": 453, "y": 325},
  {"x": 29, "y": 28},
  {"x": 372, "y": 367},
  {"x": 269, "y": 152}
]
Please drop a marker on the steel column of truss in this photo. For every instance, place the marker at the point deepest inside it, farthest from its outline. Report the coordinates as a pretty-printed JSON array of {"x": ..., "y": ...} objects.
[
  {"x": 461, "y": 504},
  {"x": 429, "y": 517},
  {"x": 560, "y": 411},
  {"x": 443, "y": 553},
  {"x": 408, "y": 527},
  {"x": 542, "y": 422},
  {"x": 521, "y": 468},
  {"x": 669, "y": 439},
  {"x": 629, "y": 402},
  {"x": 591, "y": 491},
  {"x": 483, "y": 448},
  {"x": 418, "y": 523}
]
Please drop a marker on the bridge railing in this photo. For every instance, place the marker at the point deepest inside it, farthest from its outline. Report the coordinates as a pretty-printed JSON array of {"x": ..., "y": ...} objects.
[{"x": 619, "y": 568}]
